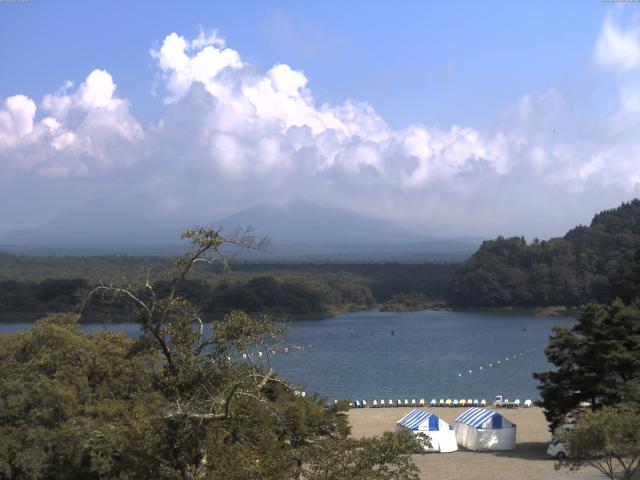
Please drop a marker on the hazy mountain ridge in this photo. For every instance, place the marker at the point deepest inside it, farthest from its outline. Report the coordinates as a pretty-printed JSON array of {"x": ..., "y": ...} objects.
[{"x": 300, "y": 231}]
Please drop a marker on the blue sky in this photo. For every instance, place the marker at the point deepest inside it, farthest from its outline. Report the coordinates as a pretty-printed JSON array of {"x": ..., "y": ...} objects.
[
  {"x": 415, "y": 62},
  {"x": 464, "y": 118}
]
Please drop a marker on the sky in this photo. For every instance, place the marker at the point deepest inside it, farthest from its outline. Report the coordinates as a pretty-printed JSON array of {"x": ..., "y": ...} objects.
[{"x": 449, "y": 118}]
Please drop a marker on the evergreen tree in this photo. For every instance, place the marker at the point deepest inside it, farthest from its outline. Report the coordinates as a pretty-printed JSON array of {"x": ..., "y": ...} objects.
[
  {"x": 625, "y": 282},
  {"x": 598, "y": 361}
]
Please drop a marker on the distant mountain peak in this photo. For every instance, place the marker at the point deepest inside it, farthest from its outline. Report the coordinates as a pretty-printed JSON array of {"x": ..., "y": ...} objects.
[
  {"x": 297, "y": 230},
  {"x": 310, "y": 224}
]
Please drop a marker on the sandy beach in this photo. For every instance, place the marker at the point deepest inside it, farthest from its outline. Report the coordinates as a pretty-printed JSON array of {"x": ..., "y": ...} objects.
[{"x": 527, "y": 462}]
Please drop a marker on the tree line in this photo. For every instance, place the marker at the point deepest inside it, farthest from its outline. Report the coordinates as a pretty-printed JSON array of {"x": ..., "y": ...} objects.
[
  {"x": 578, "y": 268},
  {"x": 296, "y": 290}
]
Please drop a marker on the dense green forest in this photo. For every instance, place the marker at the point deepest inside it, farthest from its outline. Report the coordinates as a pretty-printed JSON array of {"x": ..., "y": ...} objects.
[
  {"x": 573, "y": 270},
  {"x": 32, "y": 286}
]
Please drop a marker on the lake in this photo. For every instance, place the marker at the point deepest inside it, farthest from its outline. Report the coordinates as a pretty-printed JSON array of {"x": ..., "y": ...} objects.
[{"x": 375, "y": 355}]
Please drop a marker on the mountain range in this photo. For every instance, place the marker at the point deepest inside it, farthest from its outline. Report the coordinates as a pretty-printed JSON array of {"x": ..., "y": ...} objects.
[{"x": 299, "y": 231}]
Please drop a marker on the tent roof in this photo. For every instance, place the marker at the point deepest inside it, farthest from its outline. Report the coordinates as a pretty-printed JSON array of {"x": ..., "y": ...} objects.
[
  {"x": 476, "y": 417},
  {"x": 416, "y": 417}
]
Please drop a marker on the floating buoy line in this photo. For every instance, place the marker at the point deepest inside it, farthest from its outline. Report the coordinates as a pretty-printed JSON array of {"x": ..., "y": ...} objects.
[{"x": 501, "y": 361}]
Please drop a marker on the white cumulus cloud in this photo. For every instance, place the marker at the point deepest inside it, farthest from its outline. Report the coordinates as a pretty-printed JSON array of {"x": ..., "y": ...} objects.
[
  {"x": 231, "y": 136},
  {"x": 618, "y": 45},
  {"x": 16, "y": 120},
  {"x": 81, "y": 132}
]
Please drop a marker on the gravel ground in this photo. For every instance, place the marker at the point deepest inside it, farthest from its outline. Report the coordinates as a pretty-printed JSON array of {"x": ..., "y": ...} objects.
[{"x": 527, "y": 462}]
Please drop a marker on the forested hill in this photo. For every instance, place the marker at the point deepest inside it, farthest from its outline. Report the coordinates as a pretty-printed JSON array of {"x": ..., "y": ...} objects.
[
  {"x": 571, "y": 270},
  {"x": 31, "y": 287}
]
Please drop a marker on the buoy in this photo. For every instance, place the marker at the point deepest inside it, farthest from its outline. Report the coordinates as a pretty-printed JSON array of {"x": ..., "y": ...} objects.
[
  {"x": 480, "y": 368},
  {"x": 498, "y": 361},
  {"x": 470, "y": 371},
  {"x": 491, "y": 364},
  {"x": 459, "y": 374}
]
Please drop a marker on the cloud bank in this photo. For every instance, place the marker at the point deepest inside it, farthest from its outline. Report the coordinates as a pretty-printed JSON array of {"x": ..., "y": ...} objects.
[
  {"x": 85, "y": 132},
  {"x": 231, "y": 137}
]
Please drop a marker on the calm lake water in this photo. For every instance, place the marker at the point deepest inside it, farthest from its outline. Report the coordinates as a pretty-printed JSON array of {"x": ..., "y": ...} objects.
[{"x": 369, "y": 355}]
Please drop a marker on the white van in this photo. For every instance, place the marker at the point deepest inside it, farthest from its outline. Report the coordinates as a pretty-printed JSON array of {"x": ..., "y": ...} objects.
[{"x": 558, "y": 449}]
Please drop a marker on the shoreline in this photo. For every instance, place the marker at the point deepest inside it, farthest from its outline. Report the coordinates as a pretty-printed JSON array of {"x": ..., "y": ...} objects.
[{"x": 571, "y": 312}]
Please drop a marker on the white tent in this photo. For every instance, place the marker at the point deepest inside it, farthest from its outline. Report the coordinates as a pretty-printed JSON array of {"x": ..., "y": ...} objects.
[
  {"x": 441, "y": 434},
  {"x": 482, "y": 429}
]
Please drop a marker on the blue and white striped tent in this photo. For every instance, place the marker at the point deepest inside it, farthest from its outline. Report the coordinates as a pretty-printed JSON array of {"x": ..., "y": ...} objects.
[
  {"x": 441, "y": 434},
  {"x": 483, "y": 429}
]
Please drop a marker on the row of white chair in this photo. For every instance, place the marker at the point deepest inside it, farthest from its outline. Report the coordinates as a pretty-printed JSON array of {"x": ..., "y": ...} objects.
[{"x": 433, "y": 403}]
